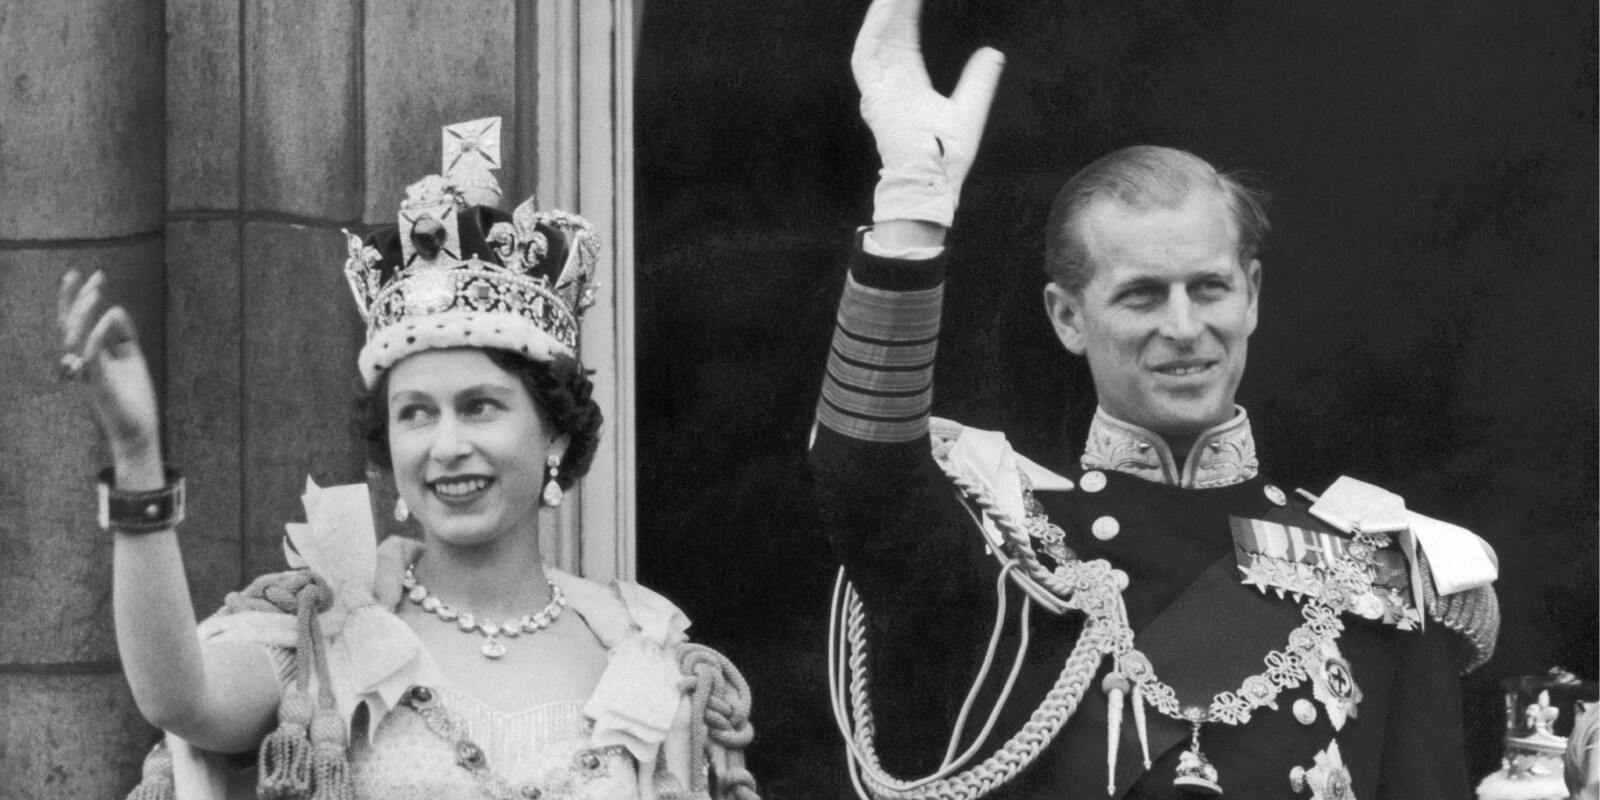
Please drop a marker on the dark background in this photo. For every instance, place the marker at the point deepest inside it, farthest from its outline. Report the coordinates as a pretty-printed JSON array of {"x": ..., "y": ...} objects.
[{"x": 1428, "y": 318}]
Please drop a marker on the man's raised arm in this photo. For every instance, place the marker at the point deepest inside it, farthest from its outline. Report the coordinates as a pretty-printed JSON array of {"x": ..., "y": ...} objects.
[{"x": 879, "y": 382}]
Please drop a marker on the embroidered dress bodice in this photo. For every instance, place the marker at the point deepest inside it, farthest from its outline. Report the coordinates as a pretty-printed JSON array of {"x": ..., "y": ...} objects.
[
  {"x": 543, "y": 752},
  {"x": 414, "y": 734}
]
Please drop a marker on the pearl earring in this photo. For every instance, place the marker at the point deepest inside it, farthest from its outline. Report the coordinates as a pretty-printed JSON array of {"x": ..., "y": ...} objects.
[
  {"x": 552, "y": 488},
  {"x": 401, "y": 513}
]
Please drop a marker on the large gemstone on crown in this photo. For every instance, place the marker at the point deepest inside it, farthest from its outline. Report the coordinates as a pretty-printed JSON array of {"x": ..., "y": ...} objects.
[{"x": 429, "y": 292}]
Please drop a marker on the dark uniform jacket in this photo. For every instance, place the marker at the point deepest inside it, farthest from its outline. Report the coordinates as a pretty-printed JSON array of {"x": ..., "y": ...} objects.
[{"x": 928, "y": 583}]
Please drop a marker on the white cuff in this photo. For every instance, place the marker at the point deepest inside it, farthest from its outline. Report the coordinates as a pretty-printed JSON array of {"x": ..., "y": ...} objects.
[
  {"x": 918, "y": 192},
  {"x": 870, "y": 245}
]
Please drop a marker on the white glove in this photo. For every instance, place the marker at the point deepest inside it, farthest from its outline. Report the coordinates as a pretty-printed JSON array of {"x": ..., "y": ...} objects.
[{"x": 926, "y": 141}]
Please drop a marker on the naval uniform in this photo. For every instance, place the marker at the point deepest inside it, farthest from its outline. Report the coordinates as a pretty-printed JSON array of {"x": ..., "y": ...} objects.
[{"x": 928, "y": 583}]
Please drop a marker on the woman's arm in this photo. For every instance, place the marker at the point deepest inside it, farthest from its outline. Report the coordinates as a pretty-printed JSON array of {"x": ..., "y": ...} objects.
[{"x": 221, "y": 697}]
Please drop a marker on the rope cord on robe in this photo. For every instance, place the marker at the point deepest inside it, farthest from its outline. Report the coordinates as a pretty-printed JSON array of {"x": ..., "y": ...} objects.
[
  {"x": 304, "y": 758},
  {"x": 719, "y": 701},
  {"x": 155, "y": 782}
]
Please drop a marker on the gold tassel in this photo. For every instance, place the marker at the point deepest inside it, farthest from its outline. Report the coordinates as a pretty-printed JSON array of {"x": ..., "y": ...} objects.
[
  {"x": 330, "y": 767},
  {"x": 1138, "y": 721},
  {"x": 153, "y": 789},
  {"x": 285, "y": 763},
  {"x": 1116, "y": 688}
]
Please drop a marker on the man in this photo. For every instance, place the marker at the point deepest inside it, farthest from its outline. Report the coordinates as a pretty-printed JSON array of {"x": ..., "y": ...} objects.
[{"x": 1188, "y": 627}]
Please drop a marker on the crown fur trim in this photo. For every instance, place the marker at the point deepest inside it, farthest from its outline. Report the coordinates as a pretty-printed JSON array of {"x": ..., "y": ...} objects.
[{"x": 456, "y": 329}]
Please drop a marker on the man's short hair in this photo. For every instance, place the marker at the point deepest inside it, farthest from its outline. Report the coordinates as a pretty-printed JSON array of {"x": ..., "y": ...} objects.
[{"x": 1142, "y": 177}]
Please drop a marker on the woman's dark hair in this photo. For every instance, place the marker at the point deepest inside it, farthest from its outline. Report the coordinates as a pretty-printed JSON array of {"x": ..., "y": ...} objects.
[{"x": 560, "y": 388}]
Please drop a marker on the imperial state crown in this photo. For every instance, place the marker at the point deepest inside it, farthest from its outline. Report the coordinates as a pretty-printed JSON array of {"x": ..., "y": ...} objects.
[{"x": 457, "y": 271}]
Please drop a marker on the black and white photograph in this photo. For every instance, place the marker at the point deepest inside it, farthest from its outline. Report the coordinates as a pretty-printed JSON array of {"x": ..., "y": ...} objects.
[{"x": 882, "y": 399}]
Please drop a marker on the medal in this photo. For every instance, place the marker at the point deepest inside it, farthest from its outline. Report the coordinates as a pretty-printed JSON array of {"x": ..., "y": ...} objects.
[
  {"x": 1328, "y": 778},
  {"x": 1333, "y": 574},
  {"x": 1195, "y": 772},
  {"x": 1332, "y": 683},
  {"x": 1301, "y": 562}
]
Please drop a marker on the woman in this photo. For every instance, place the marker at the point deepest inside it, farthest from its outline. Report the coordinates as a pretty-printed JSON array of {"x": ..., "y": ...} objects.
[{"x": 461, "y": 668}]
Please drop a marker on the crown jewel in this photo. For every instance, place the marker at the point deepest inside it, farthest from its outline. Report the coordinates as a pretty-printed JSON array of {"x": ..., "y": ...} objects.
[{"x": 459, "y": 272}]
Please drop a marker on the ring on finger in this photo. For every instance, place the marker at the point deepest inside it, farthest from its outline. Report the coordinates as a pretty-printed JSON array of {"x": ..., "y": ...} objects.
[{"x": 70, "y": 367}]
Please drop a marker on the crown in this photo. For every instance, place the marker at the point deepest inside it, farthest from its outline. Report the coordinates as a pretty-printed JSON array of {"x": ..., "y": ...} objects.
[{"x": 459, "y": 272}]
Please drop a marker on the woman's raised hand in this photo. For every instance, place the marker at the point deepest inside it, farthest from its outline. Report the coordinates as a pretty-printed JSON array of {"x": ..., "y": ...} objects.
[
  {"x": 101, "y": 348},
  {"x": 225, "y": 697},
  {"x": 926, "y": 141}
]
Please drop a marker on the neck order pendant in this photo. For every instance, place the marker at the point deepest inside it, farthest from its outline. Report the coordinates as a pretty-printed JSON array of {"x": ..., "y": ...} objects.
[
  {"x": 1311, "y": 653},
  {"x": 492, "y": 647}
]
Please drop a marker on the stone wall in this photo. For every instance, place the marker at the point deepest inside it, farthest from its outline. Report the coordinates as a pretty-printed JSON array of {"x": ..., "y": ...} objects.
[{"x": 206, "y": 156}]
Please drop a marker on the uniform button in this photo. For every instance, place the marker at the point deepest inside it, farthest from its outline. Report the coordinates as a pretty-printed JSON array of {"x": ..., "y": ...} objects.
[
  {"x": 1305, "y": 711},
  {"x": 1276, "y": 495},
  {"x": 1105, "y": 528},
  {"x": 1093, "y": 481}
]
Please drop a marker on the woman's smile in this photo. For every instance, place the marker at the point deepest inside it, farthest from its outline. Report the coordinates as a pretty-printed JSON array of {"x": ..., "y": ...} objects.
[
  {"x": 460, "y": 489},
  {"x": 469, "y": 446}
]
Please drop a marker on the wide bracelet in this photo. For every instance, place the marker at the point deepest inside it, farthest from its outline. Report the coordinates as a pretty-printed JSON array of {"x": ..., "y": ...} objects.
[{"x": 141, "y": 512}]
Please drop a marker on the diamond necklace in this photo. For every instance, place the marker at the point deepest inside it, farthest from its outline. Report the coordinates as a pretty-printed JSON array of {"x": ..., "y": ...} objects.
[{"x": 493, "y": 647}]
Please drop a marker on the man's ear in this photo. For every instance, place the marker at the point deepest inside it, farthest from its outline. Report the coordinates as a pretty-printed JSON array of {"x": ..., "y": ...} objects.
[
  {"x": 1065, "y": 310},
  {"x": 1252, "y": 274}
]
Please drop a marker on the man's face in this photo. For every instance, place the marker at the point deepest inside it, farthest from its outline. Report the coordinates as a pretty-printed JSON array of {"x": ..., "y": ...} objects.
[{"x": 1165, "y": 317}]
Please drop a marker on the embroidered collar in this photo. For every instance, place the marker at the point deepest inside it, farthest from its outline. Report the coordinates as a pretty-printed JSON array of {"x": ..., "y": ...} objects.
[{"x": 1222, "y": 456}]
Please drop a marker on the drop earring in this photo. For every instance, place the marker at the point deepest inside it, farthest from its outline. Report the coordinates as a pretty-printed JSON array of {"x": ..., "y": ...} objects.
[
  {"x": 401, "y": 513},
  {"x": 552, "y": 488}
]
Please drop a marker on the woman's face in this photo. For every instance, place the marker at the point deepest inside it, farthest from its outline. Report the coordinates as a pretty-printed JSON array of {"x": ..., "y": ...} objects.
[{"x": 468, "y": 445}]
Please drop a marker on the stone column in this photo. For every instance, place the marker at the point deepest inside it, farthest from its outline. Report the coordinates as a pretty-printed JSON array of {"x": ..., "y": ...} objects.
[{"x": 81, "y": 166}]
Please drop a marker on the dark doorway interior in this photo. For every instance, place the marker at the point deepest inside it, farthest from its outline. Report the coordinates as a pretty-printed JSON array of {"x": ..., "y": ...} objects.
[{"x": 1429, "y": 311}]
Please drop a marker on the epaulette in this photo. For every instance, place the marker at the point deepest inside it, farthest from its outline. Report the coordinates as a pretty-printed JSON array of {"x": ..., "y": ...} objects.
[
  {"x": 1473, "y": 613},
  {"x": 992, "y": 482},
  {"x": 1455, "y": 568}
]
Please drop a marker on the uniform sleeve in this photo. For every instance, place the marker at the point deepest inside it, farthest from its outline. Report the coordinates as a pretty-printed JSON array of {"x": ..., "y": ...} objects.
[
  {"x": 1424, "y": 752},
  {"x": 878, "y": 388},
  {"x": 1424, "y": 746},
  {"x": 875, "y": 477},
  {"x": 890, "y": 515}
]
